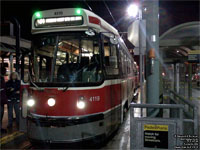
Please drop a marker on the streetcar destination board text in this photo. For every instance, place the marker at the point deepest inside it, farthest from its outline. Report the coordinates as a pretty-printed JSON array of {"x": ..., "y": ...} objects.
[{"x": 60, "y": 21}]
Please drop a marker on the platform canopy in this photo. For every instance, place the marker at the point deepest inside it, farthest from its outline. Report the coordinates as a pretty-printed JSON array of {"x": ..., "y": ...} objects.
[
  {"x": 177, "y": 42},
  {"x": 8, "y": 44}
]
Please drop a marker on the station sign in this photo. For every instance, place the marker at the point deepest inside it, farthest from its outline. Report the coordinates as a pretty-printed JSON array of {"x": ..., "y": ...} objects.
[
  {"x": 156, "y": 136},
  {"x": 194, "y": 56}
]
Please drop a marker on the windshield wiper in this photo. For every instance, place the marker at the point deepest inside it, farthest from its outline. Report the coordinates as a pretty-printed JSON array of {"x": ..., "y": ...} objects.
[
  {"x": 65, "y": 89},
  {"x": 37, "y": 87}
]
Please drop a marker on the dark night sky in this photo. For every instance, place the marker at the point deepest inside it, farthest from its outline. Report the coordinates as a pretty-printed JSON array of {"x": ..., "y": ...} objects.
[{"x": 171, "y": 12}]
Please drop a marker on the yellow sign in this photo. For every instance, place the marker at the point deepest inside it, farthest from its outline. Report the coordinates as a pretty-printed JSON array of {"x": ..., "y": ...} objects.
[
  {"x": 194, "y": 52},
  {"x": 154, "y": 127}
]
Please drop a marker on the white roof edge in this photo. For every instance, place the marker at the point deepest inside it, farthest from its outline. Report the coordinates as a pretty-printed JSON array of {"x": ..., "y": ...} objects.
[
  {"x": 109, "y": 28},
  {"x": 105, "y": 23}
]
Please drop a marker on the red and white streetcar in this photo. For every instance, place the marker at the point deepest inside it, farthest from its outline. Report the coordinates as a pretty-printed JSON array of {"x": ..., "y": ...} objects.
[{"x": 82, "y": 78}]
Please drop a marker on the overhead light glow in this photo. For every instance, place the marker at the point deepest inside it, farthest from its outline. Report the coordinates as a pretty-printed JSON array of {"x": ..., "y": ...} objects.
[
  {"x": 132, "y": 10},
  {"x": 87, "y": 54},
  {"x": 85, "y": 50},
  {"x": 58, "y": 53}
]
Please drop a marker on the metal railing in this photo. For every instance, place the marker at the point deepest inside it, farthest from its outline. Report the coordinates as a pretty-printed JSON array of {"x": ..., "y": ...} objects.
[
  {"x": 190, "y": 110},
  {"x": 159, "y": 106}
]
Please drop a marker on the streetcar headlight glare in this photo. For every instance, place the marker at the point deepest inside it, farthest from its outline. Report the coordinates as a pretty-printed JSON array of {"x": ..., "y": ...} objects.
[
  {"x": 51, "y": 102},
  {"x": 81, "y": 104},
  {"x": 31, "y": 102}
]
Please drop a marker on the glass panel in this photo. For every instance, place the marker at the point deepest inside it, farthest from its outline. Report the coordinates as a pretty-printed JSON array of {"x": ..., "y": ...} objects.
[
  {"x": 110, "y": 57},
  {"x": 76, "y": 57},
  {"x": 26, "y": 69},
  {"x": 43, "y": 57}
]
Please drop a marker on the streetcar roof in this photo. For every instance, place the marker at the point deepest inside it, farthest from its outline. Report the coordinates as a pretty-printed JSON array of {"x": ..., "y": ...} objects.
[{"x": 90, "y": 20}]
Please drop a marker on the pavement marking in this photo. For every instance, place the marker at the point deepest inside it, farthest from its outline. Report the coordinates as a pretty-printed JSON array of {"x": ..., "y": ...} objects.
[{"x": 10, "y": 137}]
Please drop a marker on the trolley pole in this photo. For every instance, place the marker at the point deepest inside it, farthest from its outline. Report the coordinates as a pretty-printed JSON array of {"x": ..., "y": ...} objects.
[{"x": 152, "y": 52}]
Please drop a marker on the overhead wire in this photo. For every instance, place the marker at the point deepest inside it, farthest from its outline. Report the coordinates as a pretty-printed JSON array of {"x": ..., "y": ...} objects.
[
  {"x": 88, "y": 5},
  {"x": 109, "y": 11}
]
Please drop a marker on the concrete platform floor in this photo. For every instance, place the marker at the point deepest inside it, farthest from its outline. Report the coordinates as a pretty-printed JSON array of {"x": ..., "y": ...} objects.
[
  {"x": 121, "y": 140},
  {"x": 5, "y": 123}
]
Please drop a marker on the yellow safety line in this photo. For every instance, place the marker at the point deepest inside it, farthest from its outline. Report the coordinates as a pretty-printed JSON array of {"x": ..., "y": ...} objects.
[{"x": 10, "y": 137}]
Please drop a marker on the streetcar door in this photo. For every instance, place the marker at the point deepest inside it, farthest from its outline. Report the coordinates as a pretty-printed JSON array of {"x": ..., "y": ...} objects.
[
  {"x": 24, "y": 92},
  {"x": 112, "y": 74}
]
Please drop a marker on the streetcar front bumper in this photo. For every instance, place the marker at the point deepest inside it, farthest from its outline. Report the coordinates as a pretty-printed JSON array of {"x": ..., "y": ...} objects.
[{"x": 65, "y": 129}]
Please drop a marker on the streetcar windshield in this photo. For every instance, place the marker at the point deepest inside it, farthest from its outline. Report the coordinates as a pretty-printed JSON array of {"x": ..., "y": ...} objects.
[{"x": 66, "y": 58}]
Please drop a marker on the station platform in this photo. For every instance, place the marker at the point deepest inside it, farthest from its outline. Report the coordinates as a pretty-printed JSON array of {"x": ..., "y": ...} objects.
[
  {"x": 10, "y": 134},
  {"x": 5, "y": 122}
]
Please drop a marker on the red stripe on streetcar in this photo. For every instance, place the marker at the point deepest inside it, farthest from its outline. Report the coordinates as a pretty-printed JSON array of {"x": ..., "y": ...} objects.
[{"x": 110, "y": 96}]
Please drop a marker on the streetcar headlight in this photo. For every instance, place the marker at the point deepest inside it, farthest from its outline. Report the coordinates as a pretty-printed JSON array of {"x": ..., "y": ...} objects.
[
  {"x": 51, "y": 102},
  {"x": 81, "y": 103},
  {"x": 31, "y": 102}
]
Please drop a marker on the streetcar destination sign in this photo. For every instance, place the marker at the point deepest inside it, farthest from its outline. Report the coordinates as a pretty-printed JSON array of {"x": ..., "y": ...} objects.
[
  {"x": 59, "y": 21},
  {"x": 156, "y": 136}
]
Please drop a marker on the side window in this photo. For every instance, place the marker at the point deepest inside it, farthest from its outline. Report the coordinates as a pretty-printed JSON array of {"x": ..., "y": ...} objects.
[
  {"x": 43, "y": 69},
  {"x": 129, "y": 65},
  {"x": 125, "y": 65},
  {"x": 123, "y": 60},
  {"x": 110, "y": 57},
  {"x": 26, "y": 69}
]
